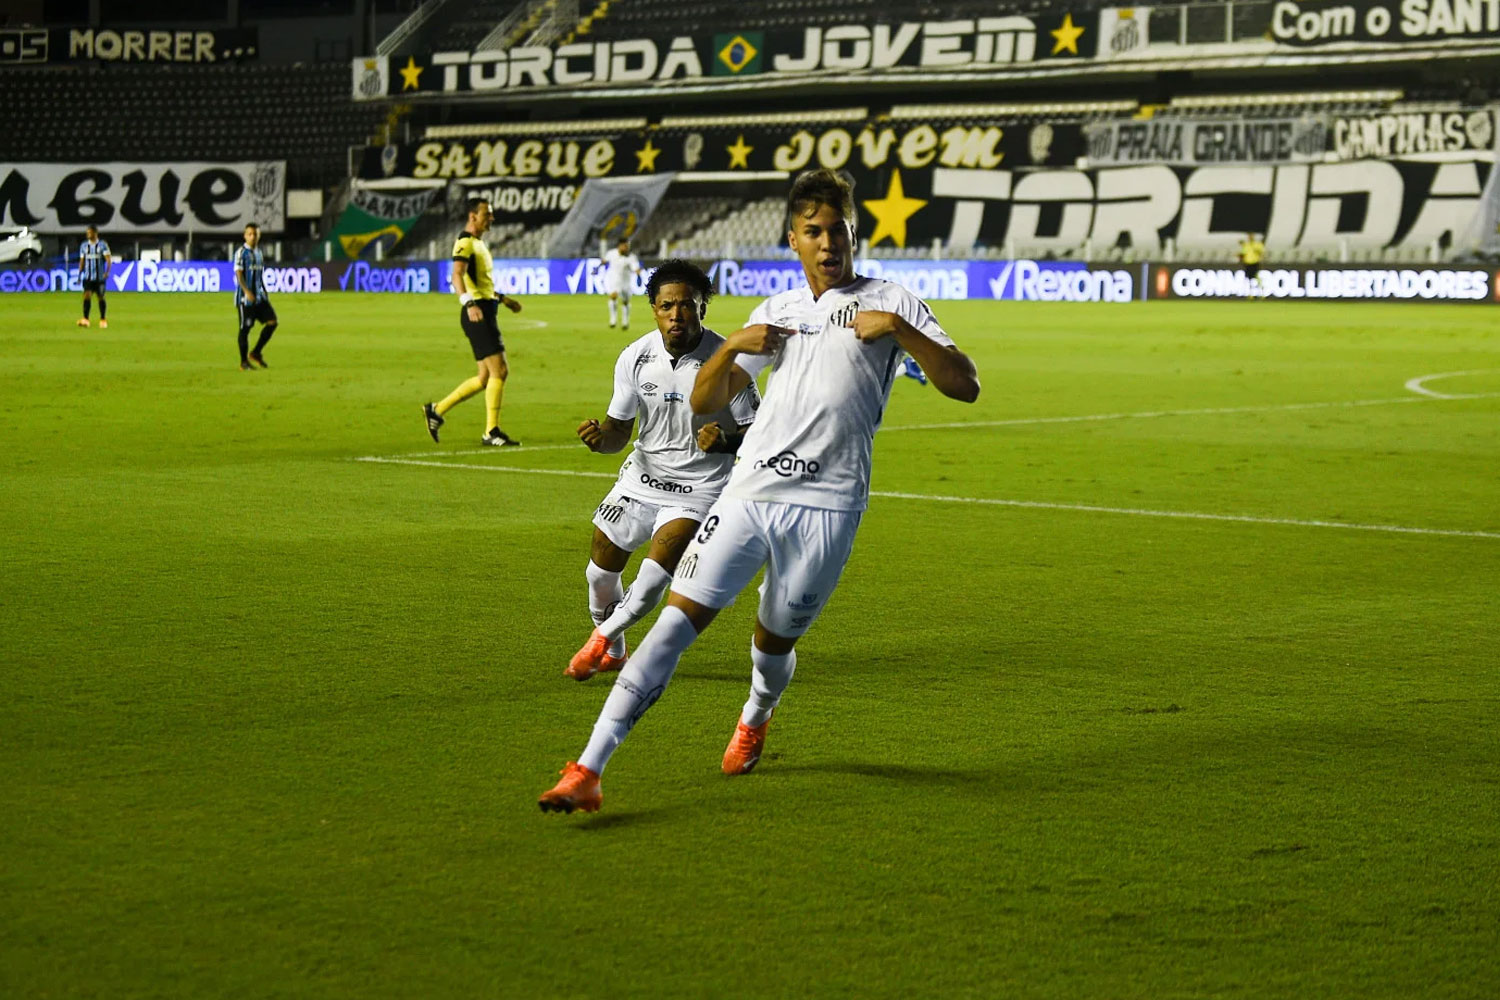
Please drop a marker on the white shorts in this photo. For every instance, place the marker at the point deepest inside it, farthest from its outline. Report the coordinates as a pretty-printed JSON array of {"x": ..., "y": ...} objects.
[
  {"x": 804, "y": 550},
  {"x": 623, "y": 291},
  {"x": 631, "y": 522}
]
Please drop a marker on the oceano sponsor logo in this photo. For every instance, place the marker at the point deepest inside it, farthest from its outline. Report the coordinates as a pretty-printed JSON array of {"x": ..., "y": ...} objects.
[
  {"x": 733, "y": 278},
  {"x": 1035, "y": 283},
  {"x": 664, "y": 485},
  {"x": 293, "y": 279},
  {"x": 787, "y": 464},
  {"x": 1350, "y": 283}
]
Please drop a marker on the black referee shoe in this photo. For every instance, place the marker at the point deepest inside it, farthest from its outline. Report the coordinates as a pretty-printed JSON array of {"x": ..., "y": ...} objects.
[
  {"x": 496, "y": 438},
  {"x": 433, "y": 420}
]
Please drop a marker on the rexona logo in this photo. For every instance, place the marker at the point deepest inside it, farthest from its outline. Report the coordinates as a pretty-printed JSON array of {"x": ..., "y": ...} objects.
[
  {"x": 41, "y": 280},
  {"x": 363, "y": 277},
  {"x": 1030, "y": 281},
  {"x": 788, "y": 464},
  {"x": 154, "y": 276},
  {"x": 759, "y": 279},
  {"x": 294, "y": 279},
  {"x": 664, "y": 485}
]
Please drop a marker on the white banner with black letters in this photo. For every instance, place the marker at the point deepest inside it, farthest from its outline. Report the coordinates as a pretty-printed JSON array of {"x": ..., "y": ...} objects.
[{"x": 144, "y": 197}]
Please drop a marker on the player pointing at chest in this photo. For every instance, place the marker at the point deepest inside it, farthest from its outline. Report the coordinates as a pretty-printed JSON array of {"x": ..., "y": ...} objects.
[{"x": 801, "y": 484}]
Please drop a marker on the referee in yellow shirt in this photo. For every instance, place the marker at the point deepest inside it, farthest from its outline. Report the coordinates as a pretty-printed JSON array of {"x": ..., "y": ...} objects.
[
  {"x": 1252, "y": 252},
  {"x": 479, "y": 306}
]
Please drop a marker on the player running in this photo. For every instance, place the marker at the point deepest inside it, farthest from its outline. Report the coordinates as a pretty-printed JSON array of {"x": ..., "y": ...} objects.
[
  {"x": 802, "y": 480},
  {"x": 679, "y": 466},
  {"x": 620, "y": 268},
  {"x": 93, "y": 269}
]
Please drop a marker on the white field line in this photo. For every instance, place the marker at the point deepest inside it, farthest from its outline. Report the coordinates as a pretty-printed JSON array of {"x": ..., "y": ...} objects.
[
  {"x": 986, "y": 501},
  {"x": 1427, "y": 397},
  {"x": 1416, "y": 385}
]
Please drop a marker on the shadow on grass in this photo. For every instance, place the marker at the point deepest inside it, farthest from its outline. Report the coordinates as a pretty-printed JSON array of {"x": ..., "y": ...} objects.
[
  {"x": 636, "y": 817},
  {"x": 905, "y": 773}
]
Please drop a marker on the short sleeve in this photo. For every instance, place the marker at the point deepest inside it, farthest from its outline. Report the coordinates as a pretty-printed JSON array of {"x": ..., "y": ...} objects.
[
  {"x": 756, "y": 363},
  {"x": 463, "y": 249},
  {"x": 104, "y": 248},
  {"x": 239, "y": 259},
  {"x": 624, "y": 403},
  {"x": 743, "y": 406},
  {"x": 918, "y": 314}
]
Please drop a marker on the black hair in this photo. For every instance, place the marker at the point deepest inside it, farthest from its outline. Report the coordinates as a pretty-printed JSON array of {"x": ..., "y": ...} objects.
[
  {"x": 821, "y": 187},
  {"x": 680, "y": 272},
  {"x": 252, "y": 225},
  {"x": 472, "y": 205}
]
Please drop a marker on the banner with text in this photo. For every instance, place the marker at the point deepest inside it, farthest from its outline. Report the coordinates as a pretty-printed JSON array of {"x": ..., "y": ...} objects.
[
  {"x": 607, "y": 210},
  {"x": 1189, "y": 141},
  {"x": 379, "y": 219},
  {"x": 1354, "y": 137},
  {"x": 144, "y": 197},
  {"x": 1393, "y": 22},
  {"x": 133, "y": 45}
]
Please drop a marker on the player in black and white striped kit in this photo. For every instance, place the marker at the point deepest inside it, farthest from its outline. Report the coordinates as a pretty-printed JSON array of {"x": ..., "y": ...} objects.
[{"x": 93, "y": 270}]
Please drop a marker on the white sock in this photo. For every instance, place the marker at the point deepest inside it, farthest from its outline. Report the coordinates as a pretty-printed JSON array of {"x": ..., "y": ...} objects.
[
  {"x": 651, "y": 581},
  {"x": 605, "y": 594},
  {"x": 642, "y": 681},
  {"x": 625, "y": 313},
  {"x": 768, "y": 679},
  {"x": 611, "y": 312}
]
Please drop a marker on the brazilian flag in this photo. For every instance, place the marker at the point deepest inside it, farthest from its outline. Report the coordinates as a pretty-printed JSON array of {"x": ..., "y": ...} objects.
[{"x": 738, "y": 54}]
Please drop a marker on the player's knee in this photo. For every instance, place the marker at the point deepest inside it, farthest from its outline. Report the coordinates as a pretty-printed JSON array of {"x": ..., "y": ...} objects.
[{"x": 769, "y": 642}]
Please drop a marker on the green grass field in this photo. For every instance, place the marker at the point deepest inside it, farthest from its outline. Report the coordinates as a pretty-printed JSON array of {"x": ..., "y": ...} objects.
[{"x": 274, "y": 720}]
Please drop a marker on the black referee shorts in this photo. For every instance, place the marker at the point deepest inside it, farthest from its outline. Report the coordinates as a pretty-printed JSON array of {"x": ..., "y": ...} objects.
[
  {"x": 1251, "y": 270},
  {"x": 484, "y": 336}
]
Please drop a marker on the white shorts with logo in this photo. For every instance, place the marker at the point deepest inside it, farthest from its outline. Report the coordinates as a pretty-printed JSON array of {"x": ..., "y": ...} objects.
[
  {"x": 631, "y": 522},
  {"x": 804, "y": 550}
]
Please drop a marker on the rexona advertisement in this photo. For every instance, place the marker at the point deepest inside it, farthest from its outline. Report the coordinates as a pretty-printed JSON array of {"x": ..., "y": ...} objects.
[
  {"x": 121, "y": 198},
  {"x": 997, "y": 280}
]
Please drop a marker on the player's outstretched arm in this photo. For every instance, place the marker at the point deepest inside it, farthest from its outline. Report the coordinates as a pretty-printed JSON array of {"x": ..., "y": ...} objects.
[
  {"x": 720, "y": 379},
  {"x": 948, "y": 368},
  {"x": 606, "y": 438}
]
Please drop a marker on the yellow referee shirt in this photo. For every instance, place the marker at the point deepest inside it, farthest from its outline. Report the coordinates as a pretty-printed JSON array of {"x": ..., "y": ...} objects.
[
  {"x": 1251, "y": 251},
  {"x": 479, "y": 270}
]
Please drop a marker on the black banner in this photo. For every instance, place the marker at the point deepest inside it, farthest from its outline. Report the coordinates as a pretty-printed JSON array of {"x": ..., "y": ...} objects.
[
  {"x": 1404, "y": 22},
  {"x": 959, "y": 44},
  {"x": 133, "y": 45}
]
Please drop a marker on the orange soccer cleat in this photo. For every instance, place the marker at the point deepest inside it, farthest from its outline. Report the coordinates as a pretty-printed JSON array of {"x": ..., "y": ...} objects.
[
  {"x": 745, "y": 747},
  {"x": 578, "y": 789},
  {"x": 82, "y": 321},
  {"x": 104, "y": 324},
  {"x": 593, "y": 659}
]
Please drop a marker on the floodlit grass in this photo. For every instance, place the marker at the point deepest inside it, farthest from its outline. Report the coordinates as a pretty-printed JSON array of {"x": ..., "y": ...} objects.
[{"x": 274, "y": 720}]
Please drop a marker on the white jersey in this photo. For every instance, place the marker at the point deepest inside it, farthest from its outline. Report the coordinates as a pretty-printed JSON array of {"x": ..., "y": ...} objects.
[
  {"x": 666, "y": 466},
  {"x": 812, "y": 442},
  {"x": 619, "y": 268}
]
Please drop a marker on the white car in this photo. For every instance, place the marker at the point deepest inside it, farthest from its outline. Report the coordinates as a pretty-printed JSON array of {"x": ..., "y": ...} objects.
[{"x": 20, "y": 244}]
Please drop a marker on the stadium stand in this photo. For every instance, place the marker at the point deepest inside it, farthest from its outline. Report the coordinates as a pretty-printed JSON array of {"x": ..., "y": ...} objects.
[{"x": 302, "y": 114}]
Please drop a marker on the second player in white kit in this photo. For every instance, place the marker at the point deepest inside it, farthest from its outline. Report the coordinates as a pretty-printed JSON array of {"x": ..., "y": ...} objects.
[
  {"x": 795, "y": 498},
  {"x": 620, "y": 268},
  {"x": 679, "y": 466}
]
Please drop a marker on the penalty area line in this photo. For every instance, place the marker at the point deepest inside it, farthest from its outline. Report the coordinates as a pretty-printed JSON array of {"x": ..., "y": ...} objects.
[{"x": 1185, "y": 515}]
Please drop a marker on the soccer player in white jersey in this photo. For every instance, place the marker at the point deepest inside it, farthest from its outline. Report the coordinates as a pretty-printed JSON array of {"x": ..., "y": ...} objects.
[
  {"x": 680, "y": 463},
  {"x": 620, "y": 268},
  {"x": 802, "y": 480}
]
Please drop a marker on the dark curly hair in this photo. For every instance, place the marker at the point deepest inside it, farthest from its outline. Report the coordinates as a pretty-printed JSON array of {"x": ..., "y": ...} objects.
[{"x": 679, "y": 271}]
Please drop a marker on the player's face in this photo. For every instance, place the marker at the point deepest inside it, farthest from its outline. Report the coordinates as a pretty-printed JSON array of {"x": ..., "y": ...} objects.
[
  {"x": 481, "y": 218},
  {"x": 679, "y": 316},
  {"x": 824, "y": 242},
  {"x": 252, "y": 237},
  {"x": 92, "y": 234}
]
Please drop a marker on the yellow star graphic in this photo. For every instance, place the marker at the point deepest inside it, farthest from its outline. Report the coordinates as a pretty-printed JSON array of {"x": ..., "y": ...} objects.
[
  {"x": 739, "y": 153},
  {"x": 1067, "y": 36},
  {"x": 891, "y": 212},
  {"x": 411, "y": 74},
  {"x": 645, "y": 157}
]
